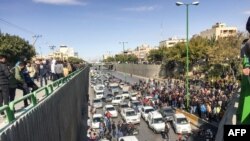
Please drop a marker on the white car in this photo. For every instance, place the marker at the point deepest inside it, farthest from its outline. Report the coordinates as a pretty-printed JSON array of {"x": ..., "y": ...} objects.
[
  {"x": 122, "y": 105},
  {"x": 97, "y": 103},
  {"x": 111, "y": 109},
  {"x": 128, "y": 138},
  {"x": 155, "y": 122},
  {"x": 99, "y": 95},
  {"x": 117, "y": 99},
  {"x": 99, "y": 90},
  {"x": 181, "y": 124},
  {"x": 129, "y": 115},
  {"x": 133, "y": 96},
  {"x": 125, "y": 94},
  {"x": 145, "y": 110},
  {"x": 96, "y": 119}
]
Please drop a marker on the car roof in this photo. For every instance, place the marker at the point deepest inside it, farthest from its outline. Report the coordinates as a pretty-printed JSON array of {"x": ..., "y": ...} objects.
[
  {"x": 123, "y": 103},
  {"x": 109, "y": 105},
  {"x": 167, "y": 107},
  {"x": 180, "y": 115},
  {"x": 129, "y": 138},
  {"x": 156, "y": 114},
  {"x": 97, "y": 115},
  {"x": 148, "y": 107},
  {"x": 128, "y": 109}
]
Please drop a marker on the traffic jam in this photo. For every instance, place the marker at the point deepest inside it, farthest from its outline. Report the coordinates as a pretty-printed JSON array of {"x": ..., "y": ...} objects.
[{"x": 117, "y": 109}]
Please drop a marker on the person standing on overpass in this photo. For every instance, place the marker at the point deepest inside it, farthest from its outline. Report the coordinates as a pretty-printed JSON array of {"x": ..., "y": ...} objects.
[{"x": 4, "y": 81}]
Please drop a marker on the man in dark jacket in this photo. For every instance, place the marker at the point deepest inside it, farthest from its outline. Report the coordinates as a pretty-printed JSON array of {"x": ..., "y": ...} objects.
[{"x": 4, "y": 81}]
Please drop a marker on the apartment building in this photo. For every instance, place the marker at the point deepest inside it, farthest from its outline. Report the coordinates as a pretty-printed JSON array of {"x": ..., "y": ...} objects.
[
  {"x": 171, "y": 42},
  {"x": 219, "y": 30}
]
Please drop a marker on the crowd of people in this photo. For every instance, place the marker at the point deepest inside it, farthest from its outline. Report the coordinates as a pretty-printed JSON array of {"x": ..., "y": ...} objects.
[
  {"x": 25, "y": 75},
  {"x": 207, "y": 100}
]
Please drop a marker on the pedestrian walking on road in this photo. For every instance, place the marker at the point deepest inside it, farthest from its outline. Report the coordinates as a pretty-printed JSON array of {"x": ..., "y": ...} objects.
[{"x": 113, "y": 129}]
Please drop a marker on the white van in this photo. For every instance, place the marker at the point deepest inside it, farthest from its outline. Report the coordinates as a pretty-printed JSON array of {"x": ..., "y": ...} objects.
[
  {"x": 156, "y": 122},
  {"x": 181, "y": 124}
]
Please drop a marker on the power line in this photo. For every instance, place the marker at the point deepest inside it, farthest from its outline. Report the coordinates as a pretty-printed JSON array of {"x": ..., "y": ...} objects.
[{"x": 16, "y": 26}]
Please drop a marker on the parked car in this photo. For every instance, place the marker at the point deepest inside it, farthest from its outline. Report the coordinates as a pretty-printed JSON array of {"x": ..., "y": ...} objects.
[
  {"x": 97, "y": 118},
  {"x": 145, "y": 110},
  {"x": 167, "y": 113},
  {"x": 130, "y": 116},
  {"x": 180, "y": 124},
  {"x": 97, "y": 103},
  {"x": 117, "y": 99},
  {"x": 122, "y": 106},
  {"x": 156, "y": 122},
  {"x": 111, "y": 109}
]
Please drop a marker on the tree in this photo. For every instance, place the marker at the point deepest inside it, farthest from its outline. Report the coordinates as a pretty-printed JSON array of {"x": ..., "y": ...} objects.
[
  {"x": 75, "y": 60},
  {"x": 131, "y": 58},
  {"x": 15, "y": 47}
]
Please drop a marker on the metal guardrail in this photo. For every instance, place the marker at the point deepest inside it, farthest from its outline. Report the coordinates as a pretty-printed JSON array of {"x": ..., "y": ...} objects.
[{"x": 49, "y": 89}]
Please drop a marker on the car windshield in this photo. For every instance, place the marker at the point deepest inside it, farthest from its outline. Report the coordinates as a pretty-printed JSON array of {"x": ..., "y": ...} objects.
[
  {"x": 99, "y": 93},
  {"x": 149, "y": 110},
  {"x": 124, "y": 106},
  {"x": 130, "y": 113},
  {"x": 158, "y": 120},
  {"x": 110, "y": 108},
  {"x": 97, "y": 100},
  {"x": 137, "y": 103},
  {"x": 182, "y": 121},
  {"x": 168, "y": 111},
  {"x": 109, "y": 95},
  {"x": 117, "y": 98},
  {"x": 97, "y": 119},
  {"x": 100, "y": 88},
  {"x": 114, "y": 87}
]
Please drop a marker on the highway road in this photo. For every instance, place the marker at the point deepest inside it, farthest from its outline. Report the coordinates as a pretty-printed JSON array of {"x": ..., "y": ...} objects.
[{"x": 145, "y": 134}]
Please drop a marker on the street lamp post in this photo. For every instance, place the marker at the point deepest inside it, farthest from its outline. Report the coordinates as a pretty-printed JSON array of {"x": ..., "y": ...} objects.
[
  {"x": 123, "y": 46},
  {"x": 187, "y": 48}
]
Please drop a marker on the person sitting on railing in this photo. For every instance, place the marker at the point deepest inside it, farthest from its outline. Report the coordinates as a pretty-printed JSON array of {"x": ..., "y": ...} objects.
[{"x": 4, "y": 81}]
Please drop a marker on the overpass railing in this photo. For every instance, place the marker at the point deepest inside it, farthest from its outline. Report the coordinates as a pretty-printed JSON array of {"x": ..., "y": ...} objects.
[{"x": 33, "y": 96}]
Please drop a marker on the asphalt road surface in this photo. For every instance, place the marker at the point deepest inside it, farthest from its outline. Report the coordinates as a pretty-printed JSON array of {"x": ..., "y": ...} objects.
[{"x": 145, "y": 134}]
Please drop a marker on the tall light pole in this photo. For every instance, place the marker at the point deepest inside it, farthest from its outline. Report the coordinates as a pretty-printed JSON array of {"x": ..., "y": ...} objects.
[
  {"x": 123, "y": 46},
  {"x": 187, "y": 49}
]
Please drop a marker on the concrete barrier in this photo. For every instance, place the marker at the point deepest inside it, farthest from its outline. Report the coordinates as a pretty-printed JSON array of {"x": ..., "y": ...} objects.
[
  {"x": 57, "y": 118},
  {"x": 196, "y": 121},
  {"x": 150, "y": 71}
]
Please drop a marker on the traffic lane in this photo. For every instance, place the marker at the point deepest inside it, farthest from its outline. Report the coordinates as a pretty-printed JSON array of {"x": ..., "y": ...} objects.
[
  {"x": 122, "y": 76},
  {"x": 172, "y": 134},
  {"x": 145, "y": 134}
]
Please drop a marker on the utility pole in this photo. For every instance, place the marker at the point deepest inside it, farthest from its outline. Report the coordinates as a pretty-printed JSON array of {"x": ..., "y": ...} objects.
[
  {"x": 123, "y": 46},
  {"x": 52, "y": 48},
  {"x": 35, "y": 37}
]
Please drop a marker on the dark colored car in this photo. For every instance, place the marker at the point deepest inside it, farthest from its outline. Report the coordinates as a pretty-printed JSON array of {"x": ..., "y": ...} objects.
[
  {"x": 108, "y": 97},
  {"x": 167, "y": 113}
]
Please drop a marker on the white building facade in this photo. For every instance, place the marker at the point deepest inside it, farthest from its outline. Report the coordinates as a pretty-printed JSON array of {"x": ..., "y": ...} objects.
[{"x": 219, "y": 30}]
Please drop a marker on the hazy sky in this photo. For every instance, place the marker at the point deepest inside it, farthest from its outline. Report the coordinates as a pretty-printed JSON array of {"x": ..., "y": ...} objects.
[{"x": 95, "y": 27}]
